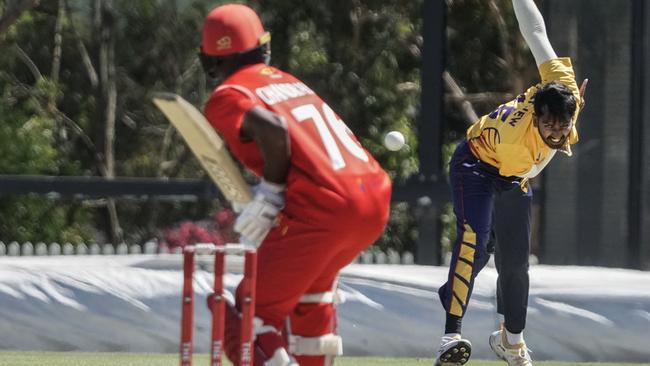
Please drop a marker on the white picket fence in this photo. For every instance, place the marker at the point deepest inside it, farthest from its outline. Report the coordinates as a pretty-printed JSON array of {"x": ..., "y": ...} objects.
[{"x": 15, "y": 249}]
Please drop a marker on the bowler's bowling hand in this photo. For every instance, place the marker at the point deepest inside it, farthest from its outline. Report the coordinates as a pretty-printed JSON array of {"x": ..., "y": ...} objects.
[{"x": 583, "y": 88}]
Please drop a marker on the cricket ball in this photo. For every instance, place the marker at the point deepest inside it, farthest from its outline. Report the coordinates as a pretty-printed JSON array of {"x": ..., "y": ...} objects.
[{"x": 394, "y": 141}]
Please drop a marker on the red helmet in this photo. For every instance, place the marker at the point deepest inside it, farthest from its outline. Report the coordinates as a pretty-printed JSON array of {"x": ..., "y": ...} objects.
[{"x": 231, "y": 29}]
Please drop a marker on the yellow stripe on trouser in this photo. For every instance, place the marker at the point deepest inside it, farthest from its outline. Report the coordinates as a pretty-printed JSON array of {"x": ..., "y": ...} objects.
[
  {"x": 469, "y": 236},
  {"x": 464, "y": 271}
]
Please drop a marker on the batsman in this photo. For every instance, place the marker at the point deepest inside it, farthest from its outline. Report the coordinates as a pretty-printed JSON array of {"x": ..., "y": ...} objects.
[
  {"x": 321, "y": 200},
  {"x": 491, "y": 168}
]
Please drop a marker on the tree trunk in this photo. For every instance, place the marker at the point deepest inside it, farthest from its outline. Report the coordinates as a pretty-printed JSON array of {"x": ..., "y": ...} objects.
[
  {"x": 469, "y": 115},
  {"x": 104, "y": 20},
  {"x": 85, "y": 57},
  {"x": 58, "y": 40}
]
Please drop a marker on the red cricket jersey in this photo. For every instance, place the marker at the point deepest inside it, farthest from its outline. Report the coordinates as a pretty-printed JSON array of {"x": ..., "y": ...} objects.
[{"x": 329, "y": 168}]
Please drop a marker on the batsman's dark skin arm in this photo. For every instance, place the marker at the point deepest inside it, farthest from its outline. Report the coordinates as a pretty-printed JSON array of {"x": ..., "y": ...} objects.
[{"x": 269, "y": 131}]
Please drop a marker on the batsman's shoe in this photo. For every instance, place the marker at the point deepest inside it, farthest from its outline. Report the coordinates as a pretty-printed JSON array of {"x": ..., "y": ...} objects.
[
  {"x": 270, "y": 346},
  {"x": 514, "y": 354},
  {"x": 454, "y": 351}
]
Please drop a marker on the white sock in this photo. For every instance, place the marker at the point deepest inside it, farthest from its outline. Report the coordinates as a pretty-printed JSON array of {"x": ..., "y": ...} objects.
[
  {"x": 451, "y": 335},
  {"x": 515, "y": 338}
]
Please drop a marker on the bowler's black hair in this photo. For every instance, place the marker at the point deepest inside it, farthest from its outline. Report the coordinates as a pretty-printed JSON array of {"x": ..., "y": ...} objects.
[{"x": 558, "y": 99}]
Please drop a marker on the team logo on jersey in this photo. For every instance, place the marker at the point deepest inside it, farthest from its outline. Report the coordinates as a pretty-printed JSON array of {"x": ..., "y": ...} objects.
[
  {"x": 490, "y": 137},
  {"x": 268, "y": 71},
  {"x": 224, "y": 43}
]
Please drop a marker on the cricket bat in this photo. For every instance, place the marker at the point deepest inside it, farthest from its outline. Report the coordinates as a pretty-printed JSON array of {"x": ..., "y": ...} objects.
[{"x": 206, "y": 145}]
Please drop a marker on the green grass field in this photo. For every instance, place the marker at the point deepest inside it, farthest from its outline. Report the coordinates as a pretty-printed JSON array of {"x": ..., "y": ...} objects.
[{"x": 141, "y": 359}]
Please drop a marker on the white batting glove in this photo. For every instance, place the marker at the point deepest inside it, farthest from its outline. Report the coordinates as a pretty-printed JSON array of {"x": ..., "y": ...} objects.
[
  {"x": 259, "y": 215},
  {"x": 238, "y": 207}
]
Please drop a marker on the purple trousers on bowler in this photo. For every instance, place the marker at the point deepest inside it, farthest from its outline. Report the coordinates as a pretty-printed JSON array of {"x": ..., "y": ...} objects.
[{"x": 493, "y": 215}]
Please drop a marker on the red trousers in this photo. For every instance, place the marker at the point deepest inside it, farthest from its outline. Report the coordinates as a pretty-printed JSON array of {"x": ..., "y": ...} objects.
[{"x": 301, "y": 257}]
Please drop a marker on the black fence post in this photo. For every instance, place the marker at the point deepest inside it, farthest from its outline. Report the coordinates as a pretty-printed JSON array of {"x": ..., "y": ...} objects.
[
  {"x": 639, "y": 191},
  {"x": 430, "y": 128}
]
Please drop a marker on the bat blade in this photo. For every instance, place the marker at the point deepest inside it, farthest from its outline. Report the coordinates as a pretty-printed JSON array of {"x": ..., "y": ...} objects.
[{"x": 206, "y": 145}]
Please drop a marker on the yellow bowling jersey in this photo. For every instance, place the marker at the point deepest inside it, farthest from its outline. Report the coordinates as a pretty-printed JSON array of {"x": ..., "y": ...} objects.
[{"x": 507, "y": 139}]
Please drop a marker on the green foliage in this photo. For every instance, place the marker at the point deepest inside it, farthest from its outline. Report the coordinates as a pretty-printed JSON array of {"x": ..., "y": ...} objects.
[
  {"x": 34, "y": 219},
  {"x": 156, "y": 44},
  {"x": 400, "y": 233},
  {"x": 27, "y": 135},
  {"x": 29, "y": 146}
]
